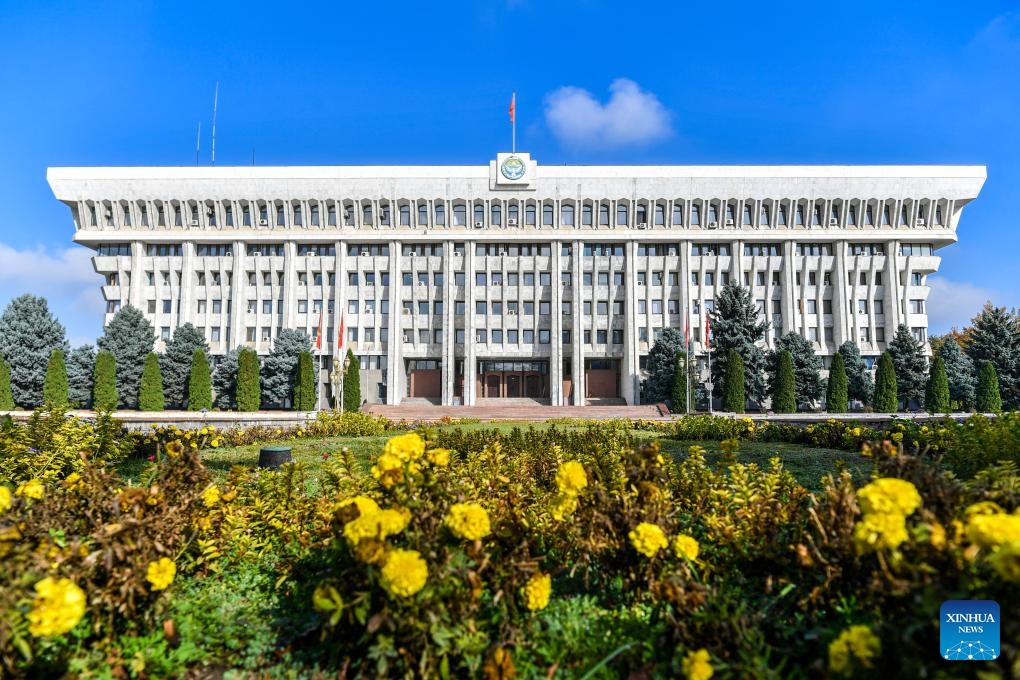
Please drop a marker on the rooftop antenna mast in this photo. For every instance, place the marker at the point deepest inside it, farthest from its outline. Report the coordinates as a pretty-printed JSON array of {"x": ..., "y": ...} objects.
[
  {"x": 198, "y": 142},
  {"x": 216, "y": 99}
]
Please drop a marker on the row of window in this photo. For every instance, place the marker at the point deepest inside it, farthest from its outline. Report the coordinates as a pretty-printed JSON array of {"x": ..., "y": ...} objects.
[{"x": 195, "y": 213}]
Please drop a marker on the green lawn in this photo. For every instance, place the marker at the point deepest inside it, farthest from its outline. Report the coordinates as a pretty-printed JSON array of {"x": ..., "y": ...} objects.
[{"x": 808, "y": 464}]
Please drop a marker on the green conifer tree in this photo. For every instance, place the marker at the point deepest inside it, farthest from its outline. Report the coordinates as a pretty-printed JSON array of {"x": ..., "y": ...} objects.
[
  {"x": 784, "y": 389},
  {"x": 886, "y": 399},
  {"x": 6, "y": 395},
  {"x": 352, "y": 383},
  {"x": 734, "y": 391},
  {"x": 150, "y": 391},
  {"x": 248, "y": 389},
  {"x": 200, "y": 383},
  {"x": 129, "y": 337},
  {"x": 936, "y": 393},
  {"x": 988, "y": 398},
  {"x": 28, "y": 335},
  {"x": 55, "y": 384},
  {"x": 304, "y": 386},
  {"x": 104, "y": 382},
  {"x": 836, "y": 397}
]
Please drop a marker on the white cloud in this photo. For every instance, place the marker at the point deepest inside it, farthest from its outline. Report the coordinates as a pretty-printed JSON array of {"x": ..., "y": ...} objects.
[
  {"x": 65, "y": 277},
  {"x": 955, "y": 303},
  {"x": 631, "y": 116}
]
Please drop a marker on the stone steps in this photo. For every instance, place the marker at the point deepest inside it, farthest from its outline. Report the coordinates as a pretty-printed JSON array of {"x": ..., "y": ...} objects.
[{"x": 511, "y": 409}]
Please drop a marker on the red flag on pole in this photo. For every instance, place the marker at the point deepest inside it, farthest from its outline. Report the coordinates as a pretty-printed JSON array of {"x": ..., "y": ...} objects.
[
  {"x": 687, "y": 334},
  {"x": 318, "y": 334},
  {"x": 706, "y": 329},
  {"x": 513, "y": 106},
  {"x": 340, "y": 335}
]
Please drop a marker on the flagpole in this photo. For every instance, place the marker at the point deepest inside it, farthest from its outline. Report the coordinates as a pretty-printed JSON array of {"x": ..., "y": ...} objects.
[
  {"x": 711, "y": 385},
  {"x": 513, "y": 123},
  {"x": 687, "y": 369}
]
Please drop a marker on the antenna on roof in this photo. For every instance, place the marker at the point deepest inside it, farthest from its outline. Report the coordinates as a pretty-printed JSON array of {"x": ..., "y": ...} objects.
[
  {"x": 216, "y": 99},
  {"x": 198, "y": 142}
]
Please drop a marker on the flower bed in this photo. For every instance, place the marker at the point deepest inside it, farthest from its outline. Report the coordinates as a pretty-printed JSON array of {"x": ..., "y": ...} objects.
[{"x": 529, "y": 553}]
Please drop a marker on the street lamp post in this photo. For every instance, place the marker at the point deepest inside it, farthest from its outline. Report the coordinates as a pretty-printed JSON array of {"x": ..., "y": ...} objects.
[{"x": 337, "y": 378}]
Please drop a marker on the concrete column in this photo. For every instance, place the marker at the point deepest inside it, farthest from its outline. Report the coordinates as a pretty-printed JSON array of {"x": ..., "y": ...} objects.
[
  {"x": 556, "y": 313},
  {"x": 791, "y": 292},
  {"x": 238, "y": 296},
  {"x": 577, "y": 334},
  {"x": 630, "y": 375},
  {"x": 449, "y": 360},
  {"x": 394, "y": 351},
  {"x": 137, "y": 290},
  {"x": 187, "y": 287},
  {"x": 839, "y": 293},
  {"x": 893, "y": 294},
  {"x": 470, "y": 358},
  {"x": 290, "y": 287}
]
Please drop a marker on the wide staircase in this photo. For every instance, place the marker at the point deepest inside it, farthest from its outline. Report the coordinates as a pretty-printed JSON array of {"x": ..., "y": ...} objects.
[{"x": 513, "y": 409}]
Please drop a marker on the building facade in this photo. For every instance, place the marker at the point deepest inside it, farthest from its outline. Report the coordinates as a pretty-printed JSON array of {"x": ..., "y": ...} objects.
[{"x": 514, "y": 280}]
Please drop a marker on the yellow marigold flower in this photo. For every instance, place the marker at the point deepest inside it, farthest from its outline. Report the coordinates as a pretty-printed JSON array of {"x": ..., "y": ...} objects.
[
  {"x": 5, "y": 499},
  {"x": 211, "y": 496},
  {"x": 536, "y": 591},
  {"x": 404, "y": 573},
  {"x": 648, "y": 539},
  {"x": 439, "y": 457},
  {"x": 880, "y": 530},
  {"x": 406, "y": 447},
  {"x": 571, "y": 478},
  {"x": 58, "y": 607},
  {"x": 686, "y": 547},
  {"x": 983, "y": 508},
  {"x": 989, "y": 531},
  {"x": 564, "y": 506},
  {"x": 214, "y": 443},
  {"x": 33, "y": 488},
  {"x": 161, "y": 573},
  {"x": 937, "y": 536},
  {"x": 856, "y": 432},
  {"x": 229, "y": 496},
  {"x": 380, "y": 524},
  {"x": 468, "y": 520},
  {"x": 365, "y": 505},
  {"x": 889, "y": 495},
  {"x": 203, "y": 523},
  {"x": 697, "y": 665},
  {"x": 1006, "y": 561},
  {"x": 855, "y": 645}
]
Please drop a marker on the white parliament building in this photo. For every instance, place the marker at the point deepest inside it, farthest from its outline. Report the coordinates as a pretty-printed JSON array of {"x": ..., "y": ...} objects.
[{"x": 467, "y": 284}]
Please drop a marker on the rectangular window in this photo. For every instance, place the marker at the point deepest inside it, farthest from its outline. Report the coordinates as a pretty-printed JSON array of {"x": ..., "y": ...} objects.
[
  {"x": 862, "y": 306},
  {"x": 528, "y": 336},
  {"x": 879, "y": 308}
]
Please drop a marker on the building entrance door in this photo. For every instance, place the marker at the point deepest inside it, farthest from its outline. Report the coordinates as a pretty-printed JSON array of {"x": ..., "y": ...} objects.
[
  {"x": 514, "y": 379},
  {"x": 513, "y": 385}
]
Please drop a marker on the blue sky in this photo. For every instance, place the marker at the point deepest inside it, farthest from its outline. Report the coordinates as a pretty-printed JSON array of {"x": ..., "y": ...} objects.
[{"x": 423, "y": 83}]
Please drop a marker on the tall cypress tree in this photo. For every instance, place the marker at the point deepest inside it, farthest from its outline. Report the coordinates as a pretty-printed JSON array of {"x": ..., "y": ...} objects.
[
  {"x": 995, "y": 336},
  {"x": 81, "y": 367},
  {"x": 55, "y": 385},
  {"x": 104, "y": 390},
  {"x": 28, "y": 335},
  {"x": 176, "y": 363},
  {"x": 681, "y": 384},
  {"x": 129, "y": 337},
  {"x": 886, "y": 399},
  {"x": 807, "y": 368},
  {"x": 988, "y": 398},
  {"x": 936, "y": 394},
  {"x": 735, "y": 325},
  {"x": 150, "y": 392},
  {"x": 352, "y": 383},
  {"x": 960, "y": 373},
  {"x": 6, "y": 396},
  {"x": 224, "y": 380},
  {"x": 200, "y": 383},
  {"x": 859, "y": 385},
  {"x": 304, "y": 386},
  {"x": 734, "y": 394},
  {"x": 836, "y": 400},
  {"x": 910, "y": 366},
  {"x": 784, "y": 387},
  {"x": 248, "y": 392}
]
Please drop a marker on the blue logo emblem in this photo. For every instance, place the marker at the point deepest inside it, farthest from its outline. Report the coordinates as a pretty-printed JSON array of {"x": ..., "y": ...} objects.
[
  {"x": 969, "y": 630},
  {"x": 513, "y": 168}
]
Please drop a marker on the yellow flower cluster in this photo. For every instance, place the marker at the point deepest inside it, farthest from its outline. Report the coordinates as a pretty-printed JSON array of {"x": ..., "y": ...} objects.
[
  {"x": 697, "y": 665},
  {"x": 406, "y": 447},
  {"x": 404, "y": 573},
  {"x": 161, "y": 573},
  {"x": 988, "y": 526},
  {"x": 211, "y": 496},
  {"x": 438, "y": 457},
  {"x": 537, "y": 591},
  {"x": 571, "y": 479},
  {"x": 885, "y": 504},
  {"x": 648, "y": 539},
  {"x": 5, "y": 499},
  {"x": 57, "y": 608},
  {"x": 686, "y": 547},
  {"x": 33, "y": 489},
  {"x": 365, "y": 505},
  {"x": 856, "y": 643},
  {"x": 468, "y": 521},
  {"x": 380, "y": 525}
]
